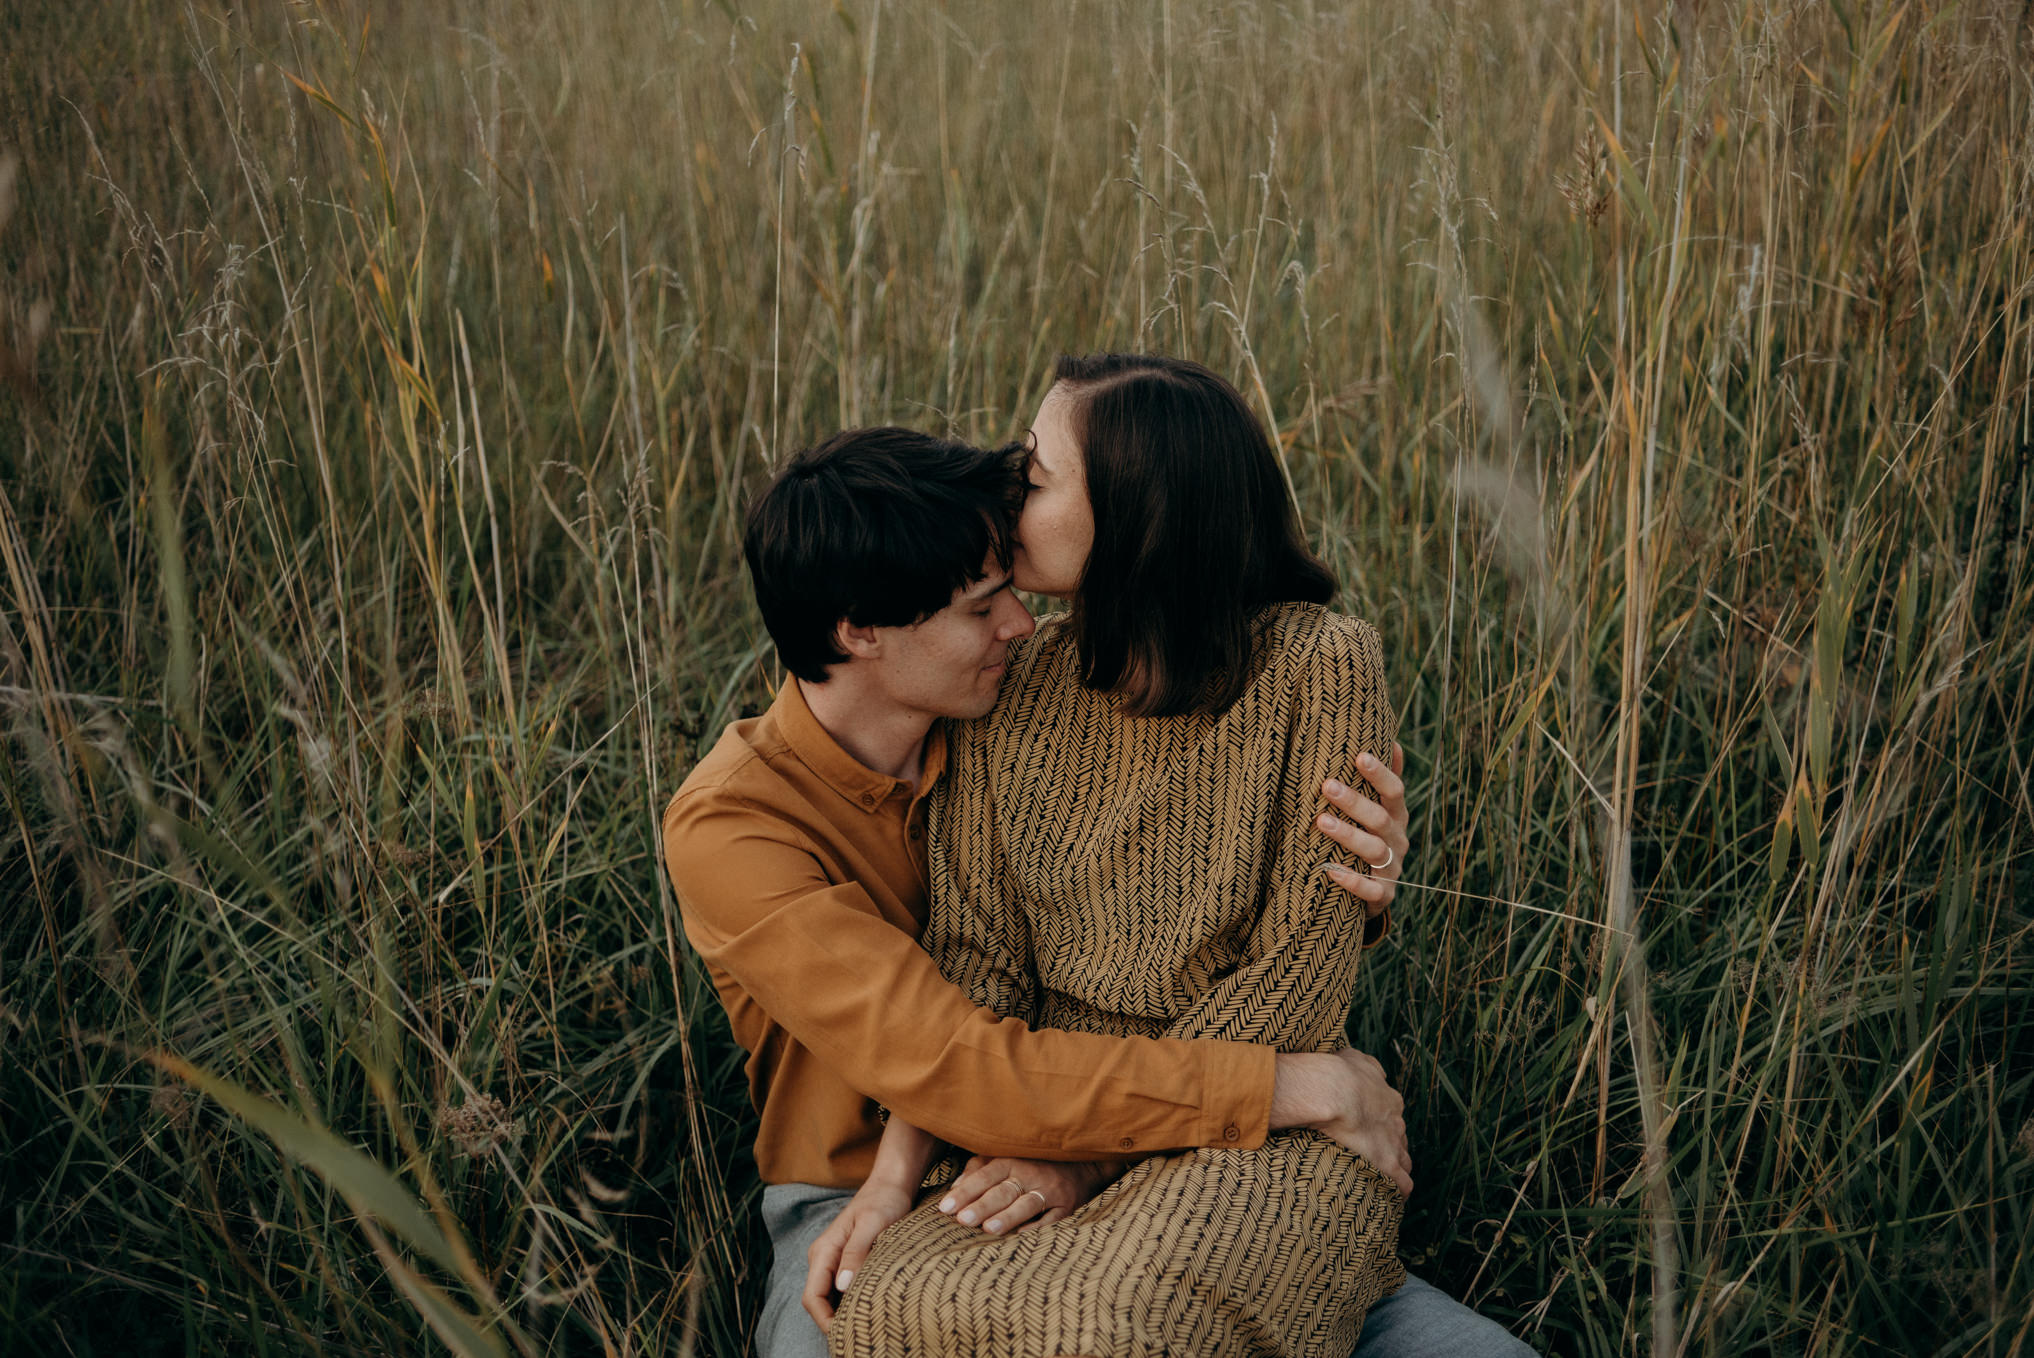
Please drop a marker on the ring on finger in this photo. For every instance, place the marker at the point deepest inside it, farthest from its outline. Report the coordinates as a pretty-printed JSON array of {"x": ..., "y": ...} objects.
[{"x": 1389, "y": 855}]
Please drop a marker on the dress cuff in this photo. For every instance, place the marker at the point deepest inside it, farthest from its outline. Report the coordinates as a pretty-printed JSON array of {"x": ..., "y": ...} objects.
[{"x": 1375, "y": 928}]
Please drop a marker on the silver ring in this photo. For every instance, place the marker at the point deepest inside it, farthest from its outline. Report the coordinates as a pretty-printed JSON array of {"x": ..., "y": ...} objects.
[
  {"x": 1389, "y": 854},
  {"x": 1030, "y": 1192}
]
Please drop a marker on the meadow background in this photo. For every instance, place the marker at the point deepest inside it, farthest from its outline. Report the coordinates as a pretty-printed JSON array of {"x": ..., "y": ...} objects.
[{"x": 382, "y": 385}]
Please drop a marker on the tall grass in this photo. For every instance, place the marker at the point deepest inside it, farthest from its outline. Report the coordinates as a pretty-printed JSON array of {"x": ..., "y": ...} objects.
[{"x": 383, "y": 386}]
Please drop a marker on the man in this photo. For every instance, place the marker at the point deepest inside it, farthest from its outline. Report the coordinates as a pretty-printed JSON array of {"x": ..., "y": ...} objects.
[{"x": 880, "y": 561}]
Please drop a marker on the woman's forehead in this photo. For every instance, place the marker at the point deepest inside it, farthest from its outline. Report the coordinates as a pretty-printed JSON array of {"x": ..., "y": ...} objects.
[{"x": 1051, "y": 441}]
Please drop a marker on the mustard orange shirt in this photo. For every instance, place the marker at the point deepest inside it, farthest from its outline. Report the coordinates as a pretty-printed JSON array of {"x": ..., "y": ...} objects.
[{"x": 801, "y": 878}]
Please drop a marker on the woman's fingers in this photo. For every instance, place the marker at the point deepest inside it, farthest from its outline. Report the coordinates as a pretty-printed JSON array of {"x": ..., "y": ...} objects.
[
  {"x": 1374, "y": 889},
  {"x": 1390, "y": 787},
  {"x": 984, "y": 1188},
  {"x": 993, "y": 1200},
  {"x": 1372, "y": 817},
  {"x": 1369, "y": 847},
  {"x": 822, "y": 1264},
  {"x": 1374, "y": 892},
  {"x": 977, "y": 1177},
  {"x": 1026, "y": 1206},
  {"x": 859, "y": 1241},
  {"x": 1374, "y": 831}
]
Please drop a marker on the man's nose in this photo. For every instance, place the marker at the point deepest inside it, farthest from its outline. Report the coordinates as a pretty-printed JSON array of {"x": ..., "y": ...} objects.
[{"x": 1018, "y": 621}]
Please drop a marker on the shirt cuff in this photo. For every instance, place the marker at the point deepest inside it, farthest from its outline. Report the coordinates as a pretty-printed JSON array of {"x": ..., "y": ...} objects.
[
  {"x": 1238, "y": 1077},
  {"x": 1375, "y": 928}
]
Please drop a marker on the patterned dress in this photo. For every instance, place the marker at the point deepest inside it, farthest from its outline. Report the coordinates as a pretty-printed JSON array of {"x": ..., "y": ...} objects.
[{"x": 1155, "y": 876}]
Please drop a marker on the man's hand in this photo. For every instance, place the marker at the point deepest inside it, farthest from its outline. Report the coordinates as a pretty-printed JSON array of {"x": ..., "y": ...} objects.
[
  {"x": 1346, "y": 1097},
  {"x": 1006, "y": 1194},
  {"x": 833, "y": 1258},
  {"x": 1372, "y": 831}
]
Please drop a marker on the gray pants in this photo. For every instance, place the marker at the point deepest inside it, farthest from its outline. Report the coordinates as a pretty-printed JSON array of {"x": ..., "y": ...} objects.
[
  {"x": 1417, "y": 1321},
  {"x": 795, "y": 1215}
]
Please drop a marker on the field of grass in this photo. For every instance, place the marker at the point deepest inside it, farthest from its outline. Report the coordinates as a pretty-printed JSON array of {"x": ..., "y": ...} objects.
[{"x": 380, "y": 389}]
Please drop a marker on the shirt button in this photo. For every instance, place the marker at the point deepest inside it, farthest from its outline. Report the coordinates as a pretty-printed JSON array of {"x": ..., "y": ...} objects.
[
  {"x": 1230, "y": 1133},
  {"x": 868, "y": 799},
  {"x": 917, "y": 832},
  {"x": 1127, "y": 1142}
]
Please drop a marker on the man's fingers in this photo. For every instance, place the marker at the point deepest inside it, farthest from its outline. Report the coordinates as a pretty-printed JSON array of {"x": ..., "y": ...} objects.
[{"x": 1396, "y": 1168}]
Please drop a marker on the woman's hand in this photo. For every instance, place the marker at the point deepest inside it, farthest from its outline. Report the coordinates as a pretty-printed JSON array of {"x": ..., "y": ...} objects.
[
  {"x": 1372, "y": 831},
  {"x": 831, "y": 1262},
  {"x": 902, "y": 1157},
  {"x": 1005, "y": 1194}
]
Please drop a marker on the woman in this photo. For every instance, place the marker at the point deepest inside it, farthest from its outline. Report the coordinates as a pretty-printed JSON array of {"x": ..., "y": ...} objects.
[{"x": 1165, "y": 739}]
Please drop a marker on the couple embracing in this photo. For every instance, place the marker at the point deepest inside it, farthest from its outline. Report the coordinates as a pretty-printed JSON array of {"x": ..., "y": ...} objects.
[{"x": 1041, "y": 938}]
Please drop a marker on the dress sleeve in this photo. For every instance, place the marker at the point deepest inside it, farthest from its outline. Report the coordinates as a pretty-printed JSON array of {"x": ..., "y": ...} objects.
[
  {"x": 979, "y": 934},
  {"x": 1293, "y": 987}
]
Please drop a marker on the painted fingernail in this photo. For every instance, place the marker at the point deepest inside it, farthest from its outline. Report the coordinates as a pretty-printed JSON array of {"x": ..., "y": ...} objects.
[
  {"x": 968, "y": 1217},
  {"x": 1335, "y": 789},
  {"x": 842, "y": 1279},
  {"x": 1367, "y": 760},
  {"x": 994, "y": 1227},
  {"x": 946, "y": 1206}
]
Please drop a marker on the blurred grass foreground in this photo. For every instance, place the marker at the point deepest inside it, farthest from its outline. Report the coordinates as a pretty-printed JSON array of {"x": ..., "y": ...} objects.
[{"x": 382, "y": 386}]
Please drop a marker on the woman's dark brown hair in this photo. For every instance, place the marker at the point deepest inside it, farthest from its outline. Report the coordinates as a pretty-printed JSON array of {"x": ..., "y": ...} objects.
[{"x": 1194, "y": 533}]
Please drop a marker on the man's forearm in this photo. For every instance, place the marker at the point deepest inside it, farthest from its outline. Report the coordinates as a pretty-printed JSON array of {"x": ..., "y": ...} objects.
[
  {"x": 1304, "y": 1089},
  {"x": 1345, "y": 1096}
]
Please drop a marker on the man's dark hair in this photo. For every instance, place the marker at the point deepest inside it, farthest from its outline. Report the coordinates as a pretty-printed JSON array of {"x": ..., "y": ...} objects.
[
  {"x": 878, "y": 526},
  {"x": 1194, "y": 533}
]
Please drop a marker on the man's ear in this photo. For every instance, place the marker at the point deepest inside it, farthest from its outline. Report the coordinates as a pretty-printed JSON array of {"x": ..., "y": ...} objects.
[{"x": 857, "y": 643}]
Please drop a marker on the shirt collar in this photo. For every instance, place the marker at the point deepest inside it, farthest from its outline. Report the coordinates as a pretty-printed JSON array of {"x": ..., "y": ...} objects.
[{"x": 839, "y": 770}]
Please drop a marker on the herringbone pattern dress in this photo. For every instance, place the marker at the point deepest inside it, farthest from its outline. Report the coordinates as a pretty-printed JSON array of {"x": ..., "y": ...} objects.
[{"x": 1161, "y": 877}]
